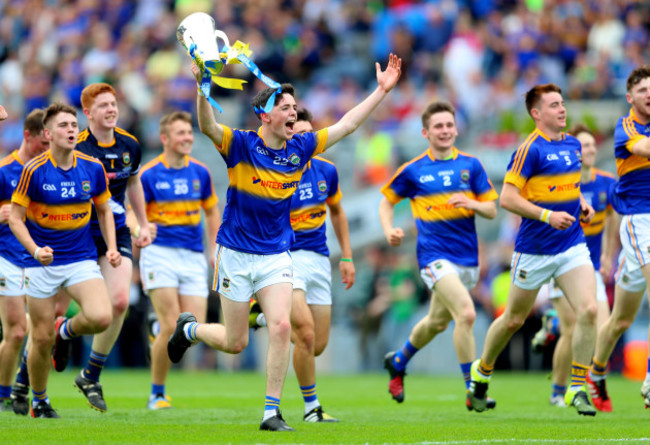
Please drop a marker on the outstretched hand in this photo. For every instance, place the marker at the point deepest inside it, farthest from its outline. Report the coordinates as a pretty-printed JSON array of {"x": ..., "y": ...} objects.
[{"x": 388, "y": 79}]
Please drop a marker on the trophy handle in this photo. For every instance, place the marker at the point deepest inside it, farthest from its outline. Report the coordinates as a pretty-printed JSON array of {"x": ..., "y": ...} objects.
[{"x": 218, "y": 34}]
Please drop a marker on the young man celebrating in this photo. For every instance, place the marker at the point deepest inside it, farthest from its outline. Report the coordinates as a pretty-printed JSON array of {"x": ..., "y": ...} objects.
[
  {"x": 173, "y": 269},
  {"x": 543, "y": 186},
  {"x": 119, "y": 152},
  {"x": 446, "y": 188},
  {"x": 630, "y": 199},
  {"x": 311, "y": 309},
  {"x": 254, "y": 239},
  {"x": 12, "y": 253},
  {"x": 50, "y": 216}
]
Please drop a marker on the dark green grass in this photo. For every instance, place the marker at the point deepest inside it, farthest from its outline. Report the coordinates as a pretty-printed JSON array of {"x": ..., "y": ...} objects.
[{"x": 214, "y": 407}]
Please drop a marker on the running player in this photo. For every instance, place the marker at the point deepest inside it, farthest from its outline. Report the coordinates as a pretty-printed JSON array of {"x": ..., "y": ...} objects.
[
  {"x": 595, "y": 186},
  {"x": 311, "y": 309},
  {"x": 253, "y": 258},
  {"x": 632, "y": 151},
  {"x": 50, "y": 216},
  {"x": 173, "y": 269},
  {"x": 119, "y": 152},
  {"x": 12, "y": 293},
  {"x": 543, "y": 186},
  {"x": 446, "y": 188}
]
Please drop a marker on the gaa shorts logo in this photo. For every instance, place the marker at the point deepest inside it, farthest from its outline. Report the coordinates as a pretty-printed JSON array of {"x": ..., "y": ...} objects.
[
  {"x": 225, "y": 283},
  {"x": 151, "y": 276},
  {"x": 3, "y": 283},
  {"x": 437, "y": 265},
  {"x": 26, "y": 281}
]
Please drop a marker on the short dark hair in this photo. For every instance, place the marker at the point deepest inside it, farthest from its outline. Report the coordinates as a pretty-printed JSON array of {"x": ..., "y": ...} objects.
[
  {"x": 260, "y": 99},
  {"x": 172, "y": 117},
  {"x": 34, "y": 122},
  {"x": 580, "y": 128},
  {"x": 304, "y": 115},
  {"x": 56, "y": 108},
  {"x": 437, "y": 107},
  {"x": 534, "y": 95},
  {"x": 637, "y": 75}
]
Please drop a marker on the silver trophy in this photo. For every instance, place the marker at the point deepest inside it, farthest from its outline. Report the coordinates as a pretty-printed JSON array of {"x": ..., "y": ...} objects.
[{"x": 199, "y": 35}]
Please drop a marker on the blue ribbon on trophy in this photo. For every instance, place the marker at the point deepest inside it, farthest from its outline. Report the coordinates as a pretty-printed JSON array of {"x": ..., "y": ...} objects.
[{"x": 200, "y": 37}]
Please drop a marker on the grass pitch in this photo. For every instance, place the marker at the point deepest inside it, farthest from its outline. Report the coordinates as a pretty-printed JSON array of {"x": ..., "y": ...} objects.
[{"x": 217, "y": 407}]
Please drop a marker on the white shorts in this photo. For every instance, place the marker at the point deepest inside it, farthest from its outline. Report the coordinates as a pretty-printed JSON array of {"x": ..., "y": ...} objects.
[
  {"x": 241, "y": 275},
  {"x": 175, "y": 267},
  {"x": 554, "y": 290},
  {"x": 44, "y": 281},
  {"x": 312, "y": 273},
  {"x": 630, "y": 280},
  {"x": 635, "y": 240},
  {"x": 11, "y": 279},
  {"x": 437, "y": 269},
  {"x": 530, "y": 272}
]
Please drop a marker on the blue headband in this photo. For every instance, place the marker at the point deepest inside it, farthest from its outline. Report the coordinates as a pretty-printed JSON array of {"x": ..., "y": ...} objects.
[{"x": 270, "y": 103}]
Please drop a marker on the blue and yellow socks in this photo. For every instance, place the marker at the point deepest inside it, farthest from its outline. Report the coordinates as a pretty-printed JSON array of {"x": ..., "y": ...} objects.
[
  {"x": 190, "y": 331},
  {"x": 466, "y": 369},
  {"x": 39, "y": 397},
  {"x": 65, "y": 330},
  {"x": 271, "y": 405},
  {"x": 95, "y": 365},
  {"x": 310, "y": 398},
  {"x": 402, "y": 357},
  {"x": 598, "y": 371},
  {"x": 22, "y": 376},
  {"x": 578, "y": 376}
]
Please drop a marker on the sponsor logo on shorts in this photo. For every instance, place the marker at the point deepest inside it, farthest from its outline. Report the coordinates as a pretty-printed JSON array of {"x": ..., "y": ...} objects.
[
  {"x": 287, "y": 274},
  {"x": 126, "y": 157},
  {"x": 437, "y": 265},
  {"x": 3, "y": 282},
  {"x": 225, "y": 283},
  {"x": 26, "y": 281},
  {"x": 625, "y": 279},
  {"x": 523, "y": 275},
  {"x": 151, "y": 276},
  {"x": 322, "y": 186},
  {"x": 464, "y": 175},
  {"x": 85, "y": 186}
]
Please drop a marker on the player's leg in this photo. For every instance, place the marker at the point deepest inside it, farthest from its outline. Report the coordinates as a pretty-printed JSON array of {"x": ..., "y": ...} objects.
[
  {"x": 94, "y": 317},
  {"x": 41, "y": 312},
  {"x": 579, "y": 287},
  {"x": 118, "y": 283},
  {"x": 304, "y": 342},
  {"x": 563, "y": 353},
  {"x": 322, "y": 316},
  {"x": 14, "y": 326}
]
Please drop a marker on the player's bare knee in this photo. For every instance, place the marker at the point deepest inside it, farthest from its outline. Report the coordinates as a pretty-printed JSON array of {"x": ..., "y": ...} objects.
[
  {"x": 622, "y": 325},
  {"x": 99, "y": 322},
  {"x": 43, "y": 338},
  {"x": 434, "y": 325},
  {"x": 120, "y": 302},
  {"x": 514, "y": 323},
  {"x": 15, "y": 335},
  {"x": 237, "y": 346},
  {"x": 320, "y": 347},
  {"x": 280, "y": 329},
  {"x": 467, "y": 317},
  {"x": 589, "y": 313}
]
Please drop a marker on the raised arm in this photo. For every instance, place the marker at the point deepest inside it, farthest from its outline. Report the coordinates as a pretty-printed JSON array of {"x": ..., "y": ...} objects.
[
  {"x": 207, "y": 123},
  {"x": 386, "y": 80},
  {"x": 342, "y": 231}
]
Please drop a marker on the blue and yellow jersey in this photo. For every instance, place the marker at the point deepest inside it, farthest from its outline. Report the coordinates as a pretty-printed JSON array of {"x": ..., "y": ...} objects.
[
  {"x": 174, "y": 198},
  {"x": 319, "y": 186},
  {"x": 59, "y": 203},
  {"x": 10, "y": 169},
  {"x": 547, "y": 173},
  {"x": 631, "y": 190},
  {"x": 121, "y": 160},
  {"x": 598, "y": 194},
  {"x": 444, "y": 232},
  {"x": 262, "y": 181}
]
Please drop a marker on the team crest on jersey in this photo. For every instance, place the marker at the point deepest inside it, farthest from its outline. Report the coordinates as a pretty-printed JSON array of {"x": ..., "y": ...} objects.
[
  {"x": 579, "y": 155},
  {"x": 464, "y": 175},
  {"x": 602, "y": 197},
  {"x": 523, "y": 275},
  {"x": 322, "y": 186},
  {"x": 197, "y": 185},
  {"x": 294, "y": 159},
  {"x": 85, "y": 186},
  {"x": 3, "y": 283},
  {"x": 126, "y": 157},
  {"x": 225, "y": 283}
]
